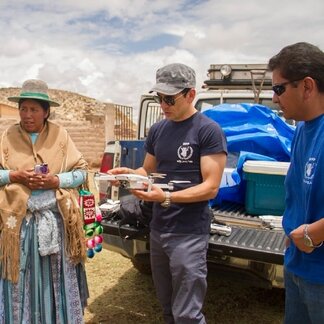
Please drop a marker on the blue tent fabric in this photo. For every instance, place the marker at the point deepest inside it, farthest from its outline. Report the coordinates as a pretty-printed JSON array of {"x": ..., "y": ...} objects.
[{"x": 253, "y": 132}]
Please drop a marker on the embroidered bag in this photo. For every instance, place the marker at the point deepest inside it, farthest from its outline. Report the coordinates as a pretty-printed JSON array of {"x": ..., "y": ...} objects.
[{"x": 92, "y": 222}]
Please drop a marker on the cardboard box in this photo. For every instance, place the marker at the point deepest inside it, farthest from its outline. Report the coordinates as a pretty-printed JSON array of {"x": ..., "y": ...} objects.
[{"x": 265, "y": 192}]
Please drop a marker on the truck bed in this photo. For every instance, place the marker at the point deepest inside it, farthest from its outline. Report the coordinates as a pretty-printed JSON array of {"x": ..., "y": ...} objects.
[{"x": 249, "y": 238}]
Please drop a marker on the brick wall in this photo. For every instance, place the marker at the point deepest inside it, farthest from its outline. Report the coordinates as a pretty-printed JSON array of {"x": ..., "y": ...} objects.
[
  {"x": 89, "y": 138},
  {"x": 7, "y": 111}
]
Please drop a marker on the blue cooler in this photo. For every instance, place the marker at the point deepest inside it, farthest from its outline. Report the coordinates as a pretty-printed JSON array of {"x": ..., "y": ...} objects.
[{"x": 265, "y": 191}]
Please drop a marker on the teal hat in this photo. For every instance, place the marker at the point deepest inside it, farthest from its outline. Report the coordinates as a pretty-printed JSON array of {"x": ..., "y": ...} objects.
[{"x": 34, "y": 89}]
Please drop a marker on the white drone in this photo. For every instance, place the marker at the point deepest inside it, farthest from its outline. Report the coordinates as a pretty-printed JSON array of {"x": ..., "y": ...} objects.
[{"x": 136, "y": 181}]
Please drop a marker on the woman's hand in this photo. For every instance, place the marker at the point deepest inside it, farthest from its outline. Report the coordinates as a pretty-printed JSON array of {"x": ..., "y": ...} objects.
[
  {"x": 43, "y": 181},
  {"x": 34, "y": 181},
  {"x": 21, "y": 176}
]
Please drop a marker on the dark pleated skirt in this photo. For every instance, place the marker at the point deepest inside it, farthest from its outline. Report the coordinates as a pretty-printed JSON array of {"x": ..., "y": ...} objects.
[{"x": 50, "y": 289}]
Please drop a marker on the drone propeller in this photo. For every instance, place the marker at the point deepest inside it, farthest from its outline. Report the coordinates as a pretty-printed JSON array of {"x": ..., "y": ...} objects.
[
  {"x": 157, "y": 175},
  {"x": 180, "y": 181}
]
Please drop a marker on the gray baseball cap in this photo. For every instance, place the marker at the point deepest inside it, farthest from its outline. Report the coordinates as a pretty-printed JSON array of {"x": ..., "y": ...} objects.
[{"x": 173, "y": 78}]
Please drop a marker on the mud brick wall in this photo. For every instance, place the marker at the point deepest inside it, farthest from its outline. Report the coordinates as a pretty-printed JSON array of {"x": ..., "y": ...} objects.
[{"x": 89, "y": 138}]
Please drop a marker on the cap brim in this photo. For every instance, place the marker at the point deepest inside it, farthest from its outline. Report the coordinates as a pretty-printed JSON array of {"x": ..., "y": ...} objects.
[
  {"x": 166, "y": 89},
  {"x": 51, "y": 102}
]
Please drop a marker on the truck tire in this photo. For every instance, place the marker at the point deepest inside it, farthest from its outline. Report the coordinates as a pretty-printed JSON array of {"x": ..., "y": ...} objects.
[{"x": 141, "y": 263}]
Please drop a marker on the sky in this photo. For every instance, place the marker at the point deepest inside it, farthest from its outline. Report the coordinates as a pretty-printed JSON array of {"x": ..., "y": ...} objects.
[{"x": 110, "y": 49}]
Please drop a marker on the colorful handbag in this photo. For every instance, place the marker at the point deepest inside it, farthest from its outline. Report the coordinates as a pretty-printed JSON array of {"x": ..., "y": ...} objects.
[{"x": 92, "y": 222}]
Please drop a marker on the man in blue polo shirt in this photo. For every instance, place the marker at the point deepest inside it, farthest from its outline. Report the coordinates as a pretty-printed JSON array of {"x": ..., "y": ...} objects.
[
  {"x": 186, "y": 145},
  {"x": 298, "y": 85}
]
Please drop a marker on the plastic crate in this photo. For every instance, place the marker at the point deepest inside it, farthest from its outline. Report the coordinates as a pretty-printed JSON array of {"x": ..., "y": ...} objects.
[{"x": 265, "y": 191}]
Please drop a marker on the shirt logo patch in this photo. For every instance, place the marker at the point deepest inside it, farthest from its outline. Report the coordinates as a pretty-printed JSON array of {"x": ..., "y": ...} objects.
[
  {"x": 185, "y": 152},
  {"x": 309, "y": 171}
]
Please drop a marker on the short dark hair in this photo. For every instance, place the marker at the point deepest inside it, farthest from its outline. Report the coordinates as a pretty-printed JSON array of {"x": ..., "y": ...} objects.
[
  {"x": 185, "y": 91},
  {"x": 298, "y": 61}
]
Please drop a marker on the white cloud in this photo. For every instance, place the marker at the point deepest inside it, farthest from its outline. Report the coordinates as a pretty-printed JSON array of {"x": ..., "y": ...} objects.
[{"x": 110, "y": 50}]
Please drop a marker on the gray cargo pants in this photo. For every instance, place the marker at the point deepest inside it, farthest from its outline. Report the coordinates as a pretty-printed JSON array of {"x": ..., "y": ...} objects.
[{"x": 179, "y": 272}]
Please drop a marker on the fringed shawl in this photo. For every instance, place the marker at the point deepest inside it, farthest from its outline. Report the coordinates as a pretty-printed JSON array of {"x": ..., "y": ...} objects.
[{"x": 55, "y": 147}]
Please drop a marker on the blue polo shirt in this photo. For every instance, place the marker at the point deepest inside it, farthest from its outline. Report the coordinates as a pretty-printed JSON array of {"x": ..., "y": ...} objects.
[{"x": 304, "y": 197}]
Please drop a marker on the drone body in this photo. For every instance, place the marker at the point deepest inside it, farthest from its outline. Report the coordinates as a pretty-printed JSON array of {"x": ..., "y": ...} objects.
[{"x": 136, "y": 181}]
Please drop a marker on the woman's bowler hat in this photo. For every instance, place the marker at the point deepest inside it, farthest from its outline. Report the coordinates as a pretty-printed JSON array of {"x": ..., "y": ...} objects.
[{"x": 34, "y": 89}]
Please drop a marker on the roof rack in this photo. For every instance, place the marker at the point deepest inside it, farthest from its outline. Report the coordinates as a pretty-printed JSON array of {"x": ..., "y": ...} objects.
[{"x": 255, "y": 77}]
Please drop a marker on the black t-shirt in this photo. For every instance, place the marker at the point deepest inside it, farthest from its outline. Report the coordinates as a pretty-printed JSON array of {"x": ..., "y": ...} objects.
[{"x": 177, "y": 147}]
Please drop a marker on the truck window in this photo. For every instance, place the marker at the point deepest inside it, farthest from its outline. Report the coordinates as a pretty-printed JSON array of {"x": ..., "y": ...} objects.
[
  {"x": 262, "y": 101},
  {"x": 204, "y": 104},
  {"x": 268, "y": 103},
  {"x": 153, "y": 114}
]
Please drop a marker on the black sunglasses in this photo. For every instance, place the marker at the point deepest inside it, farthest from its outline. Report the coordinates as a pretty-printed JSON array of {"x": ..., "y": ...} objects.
[
  {"x": 170, "y": 100},
  {"x": 280, "y": 88}
]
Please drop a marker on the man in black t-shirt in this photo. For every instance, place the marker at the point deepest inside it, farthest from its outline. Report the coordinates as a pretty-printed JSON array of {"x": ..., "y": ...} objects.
[{"x": 186, "y": 145}]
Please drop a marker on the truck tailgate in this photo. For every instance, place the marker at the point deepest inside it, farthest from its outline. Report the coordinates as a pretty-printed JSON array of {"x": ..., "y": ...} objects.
[{"x": 250, "y": 243}]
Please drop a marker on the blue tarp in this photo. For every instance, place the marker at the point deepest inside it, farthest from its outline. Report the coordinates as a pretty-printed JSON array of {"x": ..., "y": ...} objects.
[{"x": 253, "y": 132}]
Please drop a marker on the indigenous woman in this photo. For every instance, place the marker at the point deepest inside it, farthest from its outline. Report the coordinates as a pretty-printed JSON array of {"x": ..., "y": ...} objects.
[{"x": 42, "y": 275}]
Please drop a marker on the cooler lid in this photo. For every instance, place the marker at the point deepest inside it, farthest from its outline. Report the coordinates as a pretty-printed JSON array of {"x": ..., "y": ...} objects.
[{"x": 266, "y": 167}]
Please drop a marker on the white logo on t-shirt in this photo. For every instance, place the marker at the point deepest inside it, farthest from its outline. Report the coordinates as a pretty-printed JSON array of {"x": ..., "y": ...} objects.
[
  {"x": 309, "y": 170},
  {"x": 185, "y": 152}
]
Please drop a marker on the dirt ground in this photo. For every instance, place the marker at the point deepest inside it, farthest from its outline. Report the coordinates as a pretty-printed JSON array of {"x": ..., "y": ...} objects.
[{"x": 120, "y": 294}]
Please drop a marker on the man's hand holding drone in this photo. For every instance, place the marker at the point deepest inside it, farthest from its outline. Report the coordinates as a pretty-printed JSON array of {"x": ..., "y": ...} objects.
[{"x": 141, "y": 186}]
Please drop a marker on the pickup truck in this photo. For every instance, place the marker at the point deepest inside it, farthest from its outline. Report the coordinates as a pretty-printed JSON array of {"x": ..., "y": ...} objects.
[{"x": 254, "y": 249}]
